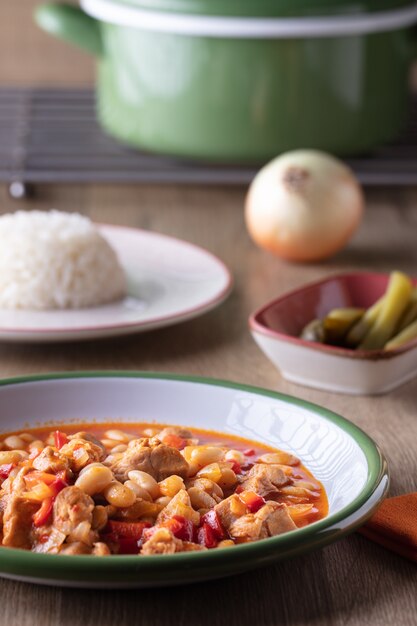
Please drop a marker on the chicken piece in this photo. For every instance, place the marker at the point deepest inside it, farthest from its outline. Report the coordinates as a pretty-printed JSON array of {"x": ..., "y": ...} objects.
[
  {"x": 51, "y": 460},
  {"x": 72, "y": 507},
  {"x": 271, "y": 519},
  {"x": 265, "y": 480},
  {"x": 229, "y": 510},
  {"x": 81, "y": 452},
  {"x": 179, "y": 505},
  {"x": 90, "y": 438},
  {"x": 17, "y": 521},
  {"x": 162, "y": 541},
  {"x": 189, "y": 546},
  {"x": 151, "y": 456}
]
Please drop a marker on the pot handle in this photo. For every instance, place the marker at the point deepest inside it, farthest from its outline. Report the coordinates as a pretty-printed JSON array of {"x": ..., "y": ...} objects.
[{"x": 70, "y": 23}]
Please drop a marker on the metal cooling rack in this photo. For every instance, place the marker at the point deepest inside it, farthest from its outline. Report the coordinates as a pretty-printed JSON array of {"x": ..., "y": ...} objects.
[{"x": 52, "y": 136}]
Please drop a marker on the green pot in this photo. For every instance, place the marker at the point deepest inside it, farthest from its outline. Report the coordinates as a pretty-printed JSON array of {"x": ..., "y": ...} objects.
[{"x": 242, "y": 81}]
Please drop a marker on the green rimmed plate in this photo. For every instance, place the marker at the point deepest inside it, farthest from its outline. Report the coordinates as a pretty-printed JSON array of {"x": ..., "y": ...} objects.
[{"x": 340, "y": 455}]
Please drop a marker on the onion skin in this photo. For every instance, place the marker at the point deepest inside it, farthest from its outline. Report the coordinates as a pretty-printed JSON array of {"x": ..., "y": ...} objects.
[{"x": 304, "y": 206}]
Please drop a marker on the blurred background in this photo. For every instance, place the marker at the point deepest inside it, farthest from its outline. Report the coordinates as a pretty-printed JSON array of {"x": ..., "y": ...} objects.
[
  {"x": 29, "y": 57},
  {"x": 233, "y": 105}
]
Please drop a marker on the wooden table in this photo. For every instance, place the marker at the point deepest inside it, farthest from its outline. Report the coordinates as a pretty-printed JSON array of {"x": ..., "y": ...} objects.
[{"x": 352, "y": 582}]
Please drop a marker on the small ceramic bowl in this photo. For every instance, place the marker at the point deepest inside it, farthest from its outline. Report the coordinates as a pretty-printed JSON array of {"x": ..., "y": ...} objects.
[{"x": 276, "y": 327}]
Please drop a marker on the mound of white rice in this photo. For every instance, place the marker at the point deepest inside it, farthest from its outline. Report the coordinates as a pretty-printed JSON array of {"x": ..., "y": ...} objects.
[{"x": 56, "y": 260}]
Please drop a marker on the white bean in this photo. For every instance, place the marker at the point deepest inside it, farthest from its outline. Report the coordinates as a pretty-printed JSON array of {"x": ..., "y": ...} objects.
[
  {"x": 94, "y": 479},
  {"x": 27, "y": 437},
  {"x": 146, "y": 481},
  {"x": 118, "y": 435},
  {"x": 119, "y": 495},
  {"x": 14, "y": 442},
  {"x": 11, "y": 456},
  {"x": 121, "y": 447},
  {"x": 235, "y": 455},
  {"x": 139, "y": 491}
]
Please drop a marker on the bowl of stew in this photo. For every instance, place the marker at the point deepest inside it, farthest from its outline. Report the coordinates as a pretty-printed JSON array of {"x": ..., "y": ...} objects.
[{"x": 136, "y": 479}]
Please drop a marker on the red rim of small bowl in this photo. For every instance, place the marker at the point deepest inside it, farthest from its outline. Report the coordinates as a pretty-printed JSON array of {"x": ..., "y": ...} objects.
[
  {"x": 256, "y": 326},
  {"x": 182, "y": 315}
]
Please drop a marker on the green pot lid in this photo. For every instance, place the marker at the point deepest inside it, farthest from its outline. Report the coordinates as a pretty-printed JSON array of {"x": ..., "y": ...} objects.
[
  {"x": 268, "y": 8},
  {"x": 208, "y": 18}
]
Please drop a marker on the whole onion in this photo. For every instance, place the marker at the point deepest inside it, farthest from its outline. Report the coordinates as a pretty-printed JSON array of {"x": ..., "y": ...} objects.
[{"x": 304, "y": 206}]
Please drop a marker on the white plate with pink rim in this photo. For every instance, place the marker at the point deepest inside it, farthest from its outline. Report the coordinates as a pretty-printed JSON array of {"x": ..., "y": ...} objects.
[{"x": 169, "y": 281}]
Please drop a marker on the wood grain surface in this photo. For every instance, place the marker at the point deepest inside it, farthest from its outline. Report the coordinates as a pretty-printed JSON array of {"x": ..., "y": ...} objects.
[{"x": 352, "y": 582}]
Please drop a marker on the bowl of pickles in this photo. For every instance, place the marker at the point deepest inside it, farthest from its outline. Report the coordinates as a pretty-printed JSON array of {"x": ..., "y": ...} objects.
[{"x": 350, "y": 333}]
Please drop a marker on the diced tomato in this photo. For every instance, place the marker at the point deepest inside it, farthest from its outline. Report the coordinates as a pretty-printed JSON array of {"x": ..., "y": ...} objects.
[
  {"x": 180, "y": 527},
  {"x": 252, "y": 500},
  {"x": 249, "y": 452},
  {"x": 206, "y": 536},
  {"x": 174, "y": 441},
  {"x": 5, "y": 469},
  {"x": 239, "y": 489},
  {"x": 60, "y": 439},
  {"x": 42, "y": 514},
  {"x": 235, "y": 466},
  {"x": 213, "y": 520},
  {"x": 125, "y": 534}
]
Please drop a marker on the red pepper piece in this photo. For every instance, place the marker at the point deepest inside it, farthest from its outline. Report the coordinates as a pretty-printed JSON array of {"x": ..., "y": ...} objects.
[
  {"x": 187, "y": 531},
  {"x": 125, "y": 545},
  {"x": 249, "y": 452},
  {"x": 206, "y": 536},
  {"x": 57, "y": 486},
  {"x": 213, "y": 520},
  {"x": 180, "y": 527},
  {"x": 236, "y": 467},
  {"x": 252, "y": 500},
  {"x": 128, "y": 530},
  {"x": 60, "y": 439},
  {"x": 42, "y": 514},
  {"x": 174, "y": 441},
  {"x": 5, "y": 469},
  {"x": 126, "y": 535}
]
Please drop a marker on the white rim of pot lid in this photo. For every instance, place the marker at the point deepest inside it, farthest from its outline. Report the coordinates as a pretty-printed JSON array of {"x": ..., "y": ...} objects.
[{"x": 250, "y": 27}]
